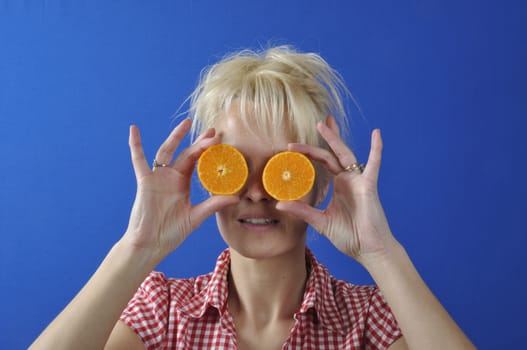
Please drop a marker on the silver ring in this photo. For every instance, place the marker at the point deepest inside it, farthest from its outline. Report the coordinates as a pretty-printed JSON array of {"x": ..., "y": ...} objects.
[
  {"x": 355, "y": 166},
  {"x": 159, "y": 165}
]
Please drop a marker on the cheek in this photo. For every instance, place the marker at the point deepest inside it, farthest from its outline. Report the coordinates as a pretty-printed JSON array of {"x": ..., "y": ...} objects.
[
  {"x": 221, "y": 219},
  {"x": 224, "y": 221}
]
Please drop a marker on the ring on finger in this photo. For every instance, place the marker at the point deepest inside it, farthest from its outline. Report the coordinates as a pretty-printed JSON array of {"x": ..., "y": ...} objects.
[
  {"x": 159, "y": 165},
  {"x": 354, "y": 167}
]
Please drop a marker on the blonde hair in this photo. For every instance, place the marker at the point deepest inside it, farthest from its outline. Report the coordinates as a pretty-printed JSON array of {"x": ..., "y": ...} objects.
[{"x": 275, "y": 89}]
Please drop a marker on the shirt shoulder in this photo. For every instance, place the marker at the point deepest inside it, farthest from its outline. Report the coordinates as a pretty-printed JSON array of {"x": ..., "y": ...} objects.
[
  {"x": 159, "y": 300},
  {"x": 352, "y": 297},
  {"x": 359, "y": 313},
  {"x": 367, "y": 307},
  {"x": 355, "y": 301},
  {"x": 179, "y": 291}
]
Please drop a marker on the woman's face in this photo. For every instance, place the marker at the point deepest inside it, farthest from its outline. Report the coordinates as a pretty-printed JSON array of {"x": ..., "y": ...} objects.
[{"x": 253, "y": 227}]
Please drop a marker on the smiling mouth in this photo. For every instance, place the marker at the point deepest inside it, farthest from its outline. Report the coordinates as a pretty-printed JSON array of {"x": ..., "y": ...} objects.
[{"x": 258, "y": 221}]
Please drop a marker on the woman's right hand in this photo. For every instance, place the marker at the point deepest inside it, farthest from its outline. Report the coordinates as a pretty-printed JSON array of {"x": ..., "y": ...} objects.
[{"x": 162, "y": 215}]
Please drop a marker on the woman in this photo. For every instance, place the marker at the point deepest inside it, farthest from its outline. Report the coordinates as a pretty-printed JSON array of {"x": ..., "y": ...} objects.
[{"x": 267, "y": 290}]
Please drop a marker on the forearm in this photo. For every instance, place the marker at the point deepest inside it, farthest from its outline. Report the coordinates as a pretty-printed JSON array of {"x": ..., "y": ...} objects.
[
  {"x": 423, "y": 320},
  {"x": 88, "y": 320}
]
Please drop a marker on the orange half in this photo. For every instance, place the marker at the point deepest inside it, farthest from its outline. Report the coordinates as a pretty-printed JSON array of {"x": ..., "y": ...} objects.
[
  {"x": 288, "y": 176},
  {"x": 222, "y": 169}
]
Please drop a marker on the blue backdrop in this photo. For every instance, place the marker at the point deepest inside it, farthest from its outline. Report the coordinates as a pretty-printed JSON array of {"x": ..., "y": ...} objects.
[{"x": 446, "y": 81}]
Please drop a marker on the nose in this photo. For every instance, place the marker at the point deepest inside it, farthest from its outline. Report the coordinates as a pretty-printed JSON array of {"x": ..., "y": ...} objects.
[{"x": 254, "y": 189}]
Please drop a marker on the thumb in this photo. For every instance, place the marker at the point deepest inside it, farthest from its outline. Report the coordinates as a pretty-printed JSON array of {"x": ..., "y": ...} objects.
[
  {"x": 313, "y": 216},
  {"x": 203, "y": 210}
]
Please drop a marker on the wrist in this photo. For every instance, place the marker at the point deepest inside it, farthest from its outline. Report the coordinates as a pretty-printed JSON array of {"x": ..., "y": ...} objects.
[
  {"x": 140, "y": 259},
  {"x": 388, "y": 261}
]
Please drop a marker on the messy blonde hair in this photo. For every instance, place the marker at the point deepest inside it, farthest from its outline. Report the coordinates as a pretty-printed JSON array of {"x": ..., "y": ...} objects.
[{"x": 275, "y": 89}]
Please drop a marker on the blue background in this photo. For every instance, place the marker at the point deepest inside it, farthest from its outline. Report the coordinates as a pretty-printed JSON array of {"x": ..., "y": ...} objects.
[{"x": 446, "y": 81}]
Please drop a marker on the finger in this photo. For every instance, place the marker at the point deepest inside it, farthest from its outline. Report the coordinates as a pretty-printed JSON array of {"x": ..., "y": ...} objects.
[
  {"x": 331, "y": 122},
  {"x": 203, "y": 210},
  {"x": 321, "y": 155},
  {"x": 137, "y": 154},
  {"x": 207, "y": 133},
  {"x": 313, "y": 216},
  {"x": 167, "y": 149},
  {"x": 344, "y": 155},
  {"x": 187, "y": 159},
  {"x": 374, "y": 159}
]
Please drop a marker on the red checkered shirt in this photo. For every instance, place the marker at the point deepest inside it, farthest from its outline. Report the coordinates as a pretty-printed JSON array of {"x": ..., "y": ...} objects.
[{"x": 193, "y": 314}]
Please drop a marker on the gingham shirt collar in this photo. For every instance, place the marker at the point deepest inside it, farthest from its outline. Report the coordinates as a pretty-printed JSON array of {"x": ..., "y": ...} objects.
[
  {"x": 215, "y": 294},
  {"x": 318, "y": 295}
]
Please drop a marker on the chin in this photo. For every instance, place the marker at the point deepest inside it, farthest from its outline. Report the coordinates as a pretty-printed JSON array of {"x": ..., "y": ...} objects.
[{"x": 267, "y": 250}]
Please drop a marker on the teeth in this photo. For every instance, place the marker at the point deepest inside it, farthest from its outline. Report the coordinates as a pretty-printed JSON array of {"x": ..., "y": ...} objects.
[{"x": 258, "y": 221}]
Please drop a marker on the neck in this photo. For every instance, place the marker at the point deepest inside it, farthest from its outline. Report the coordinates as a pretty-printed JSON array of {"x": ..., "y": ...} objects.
[{"x": 263, "y": 291}]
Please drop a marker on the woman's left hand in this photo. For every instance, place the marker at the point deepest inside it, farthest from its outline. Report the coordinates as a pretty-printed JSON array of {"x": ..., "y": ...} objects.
[{"x": 354, "y": 220}]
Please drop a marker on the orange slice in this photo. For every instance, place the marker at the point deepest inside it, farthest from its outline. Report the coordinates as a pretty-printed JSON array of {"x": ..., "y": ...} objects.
[
  {"x": 288, "y": 176},
  {"x": 222, "y": 169}
]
